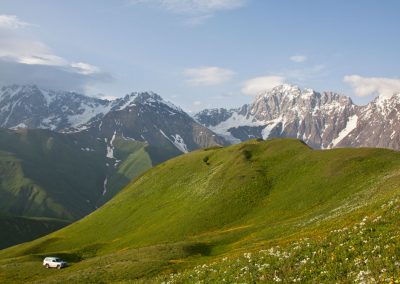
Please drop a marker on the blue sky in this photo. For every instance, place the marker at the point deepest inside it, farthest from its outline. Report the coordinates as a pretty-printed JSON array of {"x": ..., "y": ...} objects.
[{"x": 202, "y": 53}]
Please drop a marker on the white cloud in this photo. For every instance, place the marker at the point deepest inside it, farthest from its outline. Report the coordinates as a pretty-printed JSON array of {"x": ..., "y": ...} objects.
[
  {"x": 201, "y": 6},
  {"x": 11, "y": 22},
  {"x": 197, "y": 12},
  {"x": 26, "y": 60},
  {"x": 257, "y": 85},
  {"x": 197, "y": 103},
  {"x": 208, "y": 76},
  {"x": 365, "y": 86},
  {"x": 193, "y": 6},
  {"x": 85, "y": 68},
  {"x": 298, "y": 58}
]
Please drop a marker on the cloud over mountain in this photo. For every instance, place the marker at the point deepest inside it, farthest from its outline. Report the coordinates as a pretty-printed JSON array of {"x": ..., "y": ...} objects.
[
  {"x": 25, "y": 59},
  {"x": 365, "y": 86}
]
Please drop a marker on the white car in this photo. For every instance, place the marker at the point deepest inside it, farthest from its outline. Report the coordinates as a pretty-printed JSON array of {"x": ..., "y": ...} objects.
[{"x": 54, "y": 262}]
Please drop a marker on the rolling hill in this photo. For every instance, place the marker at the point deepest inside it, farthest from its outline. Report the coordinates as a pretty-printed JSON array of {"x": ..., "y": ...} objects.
[{"x": 210, "y": 206}]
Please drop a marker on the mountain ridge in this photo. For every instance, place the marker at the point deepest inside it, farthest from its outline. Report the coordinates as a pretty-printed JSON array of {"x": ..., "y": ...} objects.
[
  {"x": 323, "y": 120},
  {"x": 28, "y": 106}
]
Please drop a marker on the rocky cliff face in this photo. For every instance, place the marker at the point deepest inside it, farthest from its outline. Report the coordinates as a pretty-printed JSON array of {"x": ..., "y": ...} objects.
[
  {"x": 31, "y": 107},
  {"x": 148, "y": 118},
  {"x": 378, "y": 125},
  {"x": 322, "y": 120}
]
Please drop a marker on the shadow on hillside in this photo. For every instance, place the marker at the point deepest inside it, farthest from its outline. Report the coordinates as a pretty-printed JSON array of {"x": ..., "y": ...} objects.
[{"x": 198, "y": 249}]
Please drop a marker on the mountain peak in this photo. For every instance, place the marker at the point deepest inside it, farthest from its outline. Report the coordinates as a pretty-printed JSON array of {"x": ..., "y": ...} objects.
[
  {"x": 287, "y": 90},
  {"x": 145, "y": 96}
]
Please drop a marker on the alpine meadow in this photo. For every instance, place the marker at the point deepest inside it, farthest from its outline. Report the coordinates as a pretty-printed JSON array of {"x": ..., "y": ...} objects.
[{"x": 249, "y": 212}]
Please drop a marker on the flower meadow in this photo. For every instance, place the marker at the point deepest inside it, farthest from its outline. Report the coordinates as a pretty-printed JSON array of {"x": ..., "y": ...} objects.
[{"x": 366, "y": 252}]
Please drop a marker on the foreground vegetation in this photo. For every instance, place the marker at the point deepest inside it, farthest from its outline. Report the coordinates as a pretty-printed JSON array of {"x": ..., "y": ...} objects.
[
  {"x": 260, "y": 211},
  {"x": 366, "y": 252}
]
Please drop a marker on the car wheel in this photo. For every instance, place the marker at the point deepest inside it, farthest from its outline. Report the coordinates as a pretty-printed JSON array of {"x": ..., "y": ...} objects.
[
  {"x": 47, "y": 266},
  {"x": 58, "y": 266}
]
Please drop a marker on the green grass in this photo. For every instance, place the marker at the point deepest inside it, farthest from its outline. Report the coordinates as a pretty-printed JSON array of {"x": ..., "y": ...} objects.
[
  {"x": 134, "y": 161},
  {"x": 47, "y": 174},
  {"x": 367, "y": 252},
  {"x": 213, "y": 203}
]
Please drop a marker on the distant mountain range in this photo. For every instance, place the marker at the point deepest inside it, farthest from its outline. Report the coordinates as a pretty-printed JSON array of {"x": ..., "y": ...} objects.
[
  {"x": 322, "y": 120},
  {"x": 144, "y": 117}
]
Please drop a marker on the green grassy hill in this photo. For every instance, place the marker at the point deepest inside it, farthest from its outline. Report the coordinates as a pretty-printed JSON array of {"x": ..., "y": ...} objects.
[
  {"x": 220, "y": 203},
  {"x": 44, "y": 174}
]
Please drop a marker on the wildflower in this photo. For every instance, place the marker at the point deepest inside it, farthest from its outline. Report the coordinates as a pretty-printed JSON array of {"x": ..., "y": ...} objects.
[
  {"x": 362, "y": 276},
  {"x": 377, "y": 219},
  {"x": 247, "y": 255}
]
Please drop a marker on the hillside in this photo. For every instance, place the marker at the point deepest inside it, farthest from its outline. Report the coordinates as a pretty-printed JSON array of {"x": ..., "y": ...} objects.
[
  {"x": 16, "y": 230},
  {"x": 218, "y": 202},
  {"x": 44, "y": 174}
]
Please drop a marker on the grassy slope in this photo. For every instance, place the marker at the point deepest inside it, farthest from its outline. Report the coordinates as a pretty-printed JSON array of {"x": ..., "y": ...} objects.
[
  {"x": 212, "y": 202},
  {"x": 134, "y": 161},
  {"x": 47, "y": 174},
  {"x": 44, "y": 174},
  {"x": 22, "y": 229}
]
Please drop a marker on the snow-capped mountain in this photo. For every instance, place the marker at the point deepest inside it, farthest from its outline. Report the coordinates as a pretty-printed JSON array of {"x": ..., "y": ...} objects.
[
  {"x": 143, "y": 117},
  {"x": 378, "y": 125},
  {"x": 322, "y": 120},
  {"x": 148, "y": 118},
  {"x": 31, "y": 107}
]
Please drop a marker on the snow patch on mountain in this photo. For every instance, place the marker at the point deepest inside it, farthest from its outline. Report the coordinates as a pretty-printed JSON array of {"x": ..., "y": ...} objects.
[
  {"x": 105, "y": 186},
  {"x": 87, "y": 112},
  {"x": 350, "y": 126},
  {"x": 180, "y": 143},
  {"x": 271, "y": 125},
  {"x": 110, "y": 147}
]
